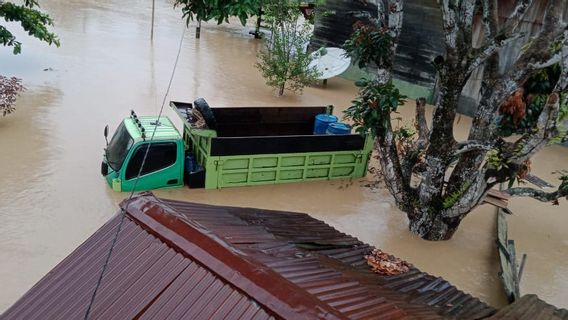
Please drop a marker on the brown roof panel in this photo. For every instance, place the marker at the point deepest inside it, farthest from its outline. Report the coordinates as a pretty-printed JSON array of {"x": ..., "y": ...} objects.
[
  {"x": 178, "y": 260},
  {"x": 318, "y": 258},
  {"x": 300, "y": 232},
  {"x": 530, "y": 307},
  {"x": 145, "y": 279}
]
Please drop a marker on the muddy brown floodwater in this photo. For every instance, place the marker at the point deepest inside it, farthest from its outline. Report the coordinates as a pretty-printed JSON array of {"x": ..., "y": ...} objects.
[{"x": 52, "y": 196}]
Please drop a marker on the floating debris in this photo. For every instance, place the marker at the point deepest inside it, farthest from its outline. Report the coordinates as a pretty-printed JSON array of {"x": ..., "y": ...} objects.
[
  {"x": 385, "y": 264},
  {"x": 538, "y": 182}
]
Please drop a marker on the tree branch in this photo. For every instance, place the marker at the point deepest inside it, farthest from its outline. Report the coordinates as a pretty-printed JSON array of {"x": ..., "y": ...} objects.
[
  {"x": 545, "y": 64},
  {"x": 421, "y": 124},
  {"x": 485, "y": 122},
  {"x": 391, "y": 168},
  {"x": 490, "y": 18},
  {"x": 466, "y": 15},
  {"x": 469, "y": 197},
  {"x": 530, "y": 144},
  {"x": 395, "y": 12},
  {"x": 498, "y": 39},
  {"x": 488, "y": 50},
  {"x": 450, "y": 24},
  {"x": 538, "y": 194},
  {"x": 468, "y": 146},
  {"x": 562, "y": 83},
  {"x": 517, "y": 15}
]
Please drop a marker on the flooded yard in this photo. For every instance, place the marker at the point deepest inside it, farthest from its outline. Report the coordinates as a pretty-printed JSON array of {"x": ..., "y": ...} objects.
[{"x": 52, "y": 196}]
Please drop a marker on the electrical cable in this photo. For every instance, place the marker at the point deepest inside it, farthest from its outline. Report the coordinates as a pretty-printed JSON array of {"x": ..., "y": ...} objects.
[{"x": 124, "y": 210}]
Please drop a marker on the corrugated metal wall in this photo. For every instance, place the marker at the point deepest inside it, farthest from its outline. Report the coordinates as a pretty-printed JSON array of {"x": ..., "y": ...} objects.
[
  {"x": 336, "y": 24},
  {"x": 530, "y": 25},
  {"x": 422, "y": 39}
]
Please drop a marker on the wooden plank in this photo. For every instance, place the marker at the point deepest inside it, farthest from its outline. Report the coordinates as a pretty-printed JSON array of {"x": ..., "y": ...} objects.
[
  {"x": 501, "y": 227},
  {"x": 496, "y": 202},
  {"x": 513, "y": 269},
  {"x": 507, "y": 258},
  {"x": 504, "y": 256},
  {"x": 539, "y": 182},
  {"x": 498, "y": 194},
  {"x": 497, "y": 198}
]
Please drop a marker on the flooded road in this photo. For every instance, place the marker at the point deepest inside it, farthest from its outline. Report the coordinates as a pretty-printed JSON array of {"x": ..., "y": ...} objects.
[{"x": 52, "y": 196}]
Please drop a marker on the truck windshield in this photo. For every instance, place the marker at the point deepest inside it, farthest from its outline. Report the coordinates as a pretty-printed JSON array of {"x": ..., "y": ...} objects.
[{"x": 118, "y": 147}]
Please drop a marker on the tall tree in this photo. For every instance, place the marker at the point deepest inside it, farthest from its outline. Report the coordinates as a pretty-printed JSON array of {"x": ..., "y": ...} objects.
[
  {"x": 285, "y": 61},
  {"x": 435, "y": 179}
]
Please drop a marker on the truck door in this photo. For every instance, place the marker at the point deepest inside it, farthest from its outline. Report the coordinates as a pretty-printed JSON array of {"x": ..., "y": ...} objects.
[{"x": 163, "y": 167}]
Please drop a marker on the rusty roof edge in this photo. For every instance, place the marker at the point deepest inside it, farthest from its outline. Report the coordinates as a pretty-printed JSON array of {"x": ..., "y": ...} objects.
[{"x": 260, "y": 283}]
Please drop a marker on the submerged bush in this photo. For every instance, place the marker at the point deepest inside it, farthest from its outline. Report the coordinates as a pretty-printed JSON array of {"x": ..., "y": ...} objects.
[{"x": 10, "y": 88}]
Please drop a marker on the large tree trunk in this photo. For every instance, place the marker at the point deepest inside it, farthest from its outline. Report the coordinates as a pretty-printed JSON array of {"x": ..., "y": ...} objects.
[
  {"x": 430, "y": 225},
  {"x": 441, "y": 205},
  {"x": 435, "y": 194}
]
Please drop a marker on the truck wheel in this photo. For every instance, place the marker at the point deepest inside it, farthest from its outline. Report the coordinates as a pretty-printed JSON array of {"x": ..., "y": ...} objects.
[{"x": 202, "y": 106}]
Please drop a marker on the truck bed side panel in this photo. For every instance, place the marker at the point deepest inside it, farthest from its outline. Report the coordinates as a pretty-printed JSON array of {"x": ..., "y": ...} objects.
[{"x": 285, "y": 144}]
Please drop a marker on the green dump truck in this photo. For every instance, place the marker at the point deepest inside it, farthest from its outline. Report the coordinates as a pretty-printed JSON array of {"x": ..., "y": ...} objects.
[{"x": 240, "y": 146}]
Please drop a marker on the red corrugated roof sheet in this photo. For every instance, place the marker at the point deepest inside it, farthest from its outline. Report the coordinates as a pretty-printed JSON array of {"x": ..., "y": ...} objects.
[
  {"x": 530, "y": 307},
  {"x": 178, "y": 260}
]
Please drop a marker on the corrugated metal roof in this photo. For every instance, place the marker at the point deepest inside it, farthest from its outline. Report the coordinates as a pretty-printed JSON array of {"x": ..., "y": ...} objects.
[
  {"x": 530, "y": 307},
  {"x": 179, "y": 260},
  {"x": 330, "y": 264},
  {"x": 145, "y": 279}
]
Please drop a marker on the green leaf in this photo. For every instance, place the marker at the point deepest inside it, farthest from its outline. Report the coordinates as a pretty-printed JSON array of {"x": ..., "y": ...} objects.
[
  {"x": 33, "y": 21},
  {"x": 361, "y": 83}
]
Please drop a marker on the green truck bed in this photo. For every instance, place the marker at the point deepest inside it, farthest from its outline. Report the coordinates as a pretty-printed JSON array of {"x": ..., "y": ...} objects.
[{"x": 268, "y": 145}]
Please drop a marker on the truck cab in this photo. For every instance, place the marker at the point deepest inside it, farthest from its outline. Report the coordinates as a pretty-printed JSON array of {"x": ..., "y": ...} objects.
[{"x": 124, "y": 155}]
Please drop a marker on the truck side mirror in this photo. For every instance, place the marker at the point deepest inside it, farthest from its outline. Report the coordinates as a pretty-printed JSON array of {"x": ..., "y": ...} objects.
[{"x": 106, "y": 134}]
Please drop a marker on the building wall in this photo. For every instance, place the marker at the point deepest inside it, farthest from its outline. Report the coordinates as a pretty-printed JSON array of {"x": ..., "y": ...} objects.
[
  {"x": 421, "y": 40},
  {"x": 530, "y": 25}
]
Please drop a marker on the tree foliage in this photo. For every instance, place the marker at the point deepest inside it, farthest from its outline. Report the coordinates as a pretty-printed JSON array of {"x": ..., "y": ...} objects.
[
  {"x": 218, "y": 10},
  {"x": 439, "y": 180},
  {"x": 33, "y": 21},
  {"x": 370, "y": 45},
  {"x": 284, "y": 62},
  {"x": 531, "y": 102},
  {"x": 36, "y": 24},
  {"x": 371, "y": 111},
  {"x": 9, "y": 90}
]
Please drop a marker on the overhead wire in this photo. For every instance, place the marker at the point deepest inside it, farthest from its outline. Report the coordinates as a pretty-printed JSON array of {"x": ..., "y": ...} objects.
[{"x": 125, "y": 208}]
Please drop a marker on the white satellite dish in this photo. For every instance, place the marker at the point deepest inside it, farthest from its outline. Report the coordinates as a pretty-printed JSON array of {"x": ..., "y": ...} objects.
[{"x": 330, "y": 62}]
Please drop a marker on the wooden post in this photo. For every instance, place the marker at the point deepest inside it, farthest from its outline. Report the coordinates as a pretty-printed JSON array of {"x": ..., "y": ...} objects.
[
  {"x": 510, "y": 272},
  {"x": 256, "y": 31},
  {"x": 198, "y": 30},
  {"x": 258, "y": 21},
  {"x": 522, "y": 267},
  {"x": 152, "y": 28}
]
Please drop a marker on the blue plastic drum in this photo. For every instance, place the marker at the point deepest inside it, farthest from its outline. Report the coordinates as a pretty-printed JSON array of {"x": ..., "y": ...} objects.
[
  {"x": 338, "y": 128},
  {"x": 322, "y": 122}
]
